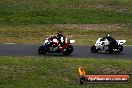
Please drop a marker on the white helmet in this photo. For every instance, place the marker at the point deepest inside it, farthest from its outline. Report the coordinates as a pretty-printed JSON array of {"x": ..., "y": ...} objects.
[{"x": 109, "y": 35}]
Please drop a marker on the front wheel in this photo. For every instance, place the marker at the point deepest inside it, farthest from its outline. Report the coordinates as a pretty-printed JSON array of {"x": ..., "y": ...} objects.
[
  {"x": 93, "y": 49},
  {"x": 68, "y": 50},
  {"x": 42, "y": 50}
]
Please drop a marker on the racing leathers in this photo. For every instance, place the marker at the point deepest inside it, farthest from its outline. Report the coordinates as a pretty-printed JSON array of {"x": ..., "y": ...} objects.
[{"x": 112, "y": 42}]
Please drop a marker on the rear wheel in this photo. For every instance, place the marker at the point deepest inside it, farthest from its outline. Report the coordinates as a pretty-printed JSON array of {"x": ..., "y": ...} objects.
[
  {"x": 42, "y": 50},
  {"x": 68, "y": 50},
  {"x": 93, "y": 49},
  {"x": 120, "y": 48},
  {"x": 111, "y": 51}
]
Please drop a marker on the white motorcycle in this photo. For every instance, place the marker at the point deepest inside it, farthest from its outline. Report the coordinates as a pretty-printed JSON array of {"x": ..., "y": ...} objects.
[{"x": 103, "y": 45}]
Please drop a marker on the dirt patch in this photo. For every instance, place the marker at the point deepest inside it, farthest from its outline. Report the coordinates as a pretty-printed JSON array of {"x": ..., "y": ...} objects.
[{"x": 90, "y": 26}]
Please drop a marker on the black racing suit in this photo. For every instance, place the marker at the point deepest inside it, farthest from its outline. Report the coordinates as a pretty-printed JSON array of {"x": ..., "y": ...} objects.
[
  {"x": 112, "y": 41},
  {"x": 59, "y": 39}
]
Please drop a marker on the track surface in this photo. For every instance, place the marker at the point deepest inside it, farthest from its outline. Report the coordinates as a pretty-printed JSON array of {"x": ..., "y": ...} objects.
[{"x": 79, "y": 51}]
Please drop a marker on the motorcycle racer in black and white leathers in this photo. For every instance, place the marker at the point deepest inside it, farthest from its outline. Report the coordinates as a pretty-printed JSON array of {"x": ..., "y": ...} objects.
[
  {"x": 60, "y": 37},
  {"x": 108, "y": 44},
  {"x": 112, "y": 42}
]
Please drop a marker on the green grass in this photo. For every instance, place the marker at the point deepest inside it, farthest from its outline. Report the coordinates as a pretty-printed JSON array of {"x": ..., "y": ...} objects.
[
  {"x": 83, "y": 34},
  {"x": 31, "y": 21},
  {"x": 58, "y": 72},
  {"x": 27, "y": 12}
]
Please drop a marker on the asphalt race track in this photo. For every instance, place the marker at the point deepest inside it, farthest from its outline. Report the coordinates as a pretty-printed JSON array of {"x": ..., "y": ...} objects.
[{"x": 79, "y": 51}]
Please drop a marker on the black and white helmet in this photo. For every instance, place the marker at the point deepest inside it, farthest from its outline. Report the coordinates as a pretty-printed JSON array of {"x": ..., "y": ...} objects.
[
  {"x": 109, "y": 35},
  {"x": 59, "y": 34}
]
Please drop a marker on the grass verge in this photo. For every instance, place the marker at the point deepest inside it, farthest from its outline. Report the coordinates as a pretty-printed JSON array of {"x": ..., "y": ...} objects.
[
  {"x": 58, "y": 72},
  {"x": 84, "y": 34}
]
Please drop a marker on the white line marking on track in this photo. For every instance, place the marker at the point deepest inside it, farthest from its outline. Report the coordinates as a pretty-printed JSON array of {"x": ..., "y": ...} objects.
[{"x": 9, "y": 43}]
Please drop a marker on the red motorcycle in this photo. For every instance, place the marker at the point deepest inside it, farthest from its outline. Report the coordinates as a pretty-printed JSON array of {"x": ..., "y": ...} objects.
[{"x": 52, "y": 45}]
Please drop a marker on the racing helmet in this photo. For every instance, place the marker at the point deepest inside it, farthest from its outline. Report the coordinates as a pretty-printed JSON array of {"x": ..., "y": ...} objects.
[
  {"x": 59, "y": 34},
  {"x": 109, "y": 35}
]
